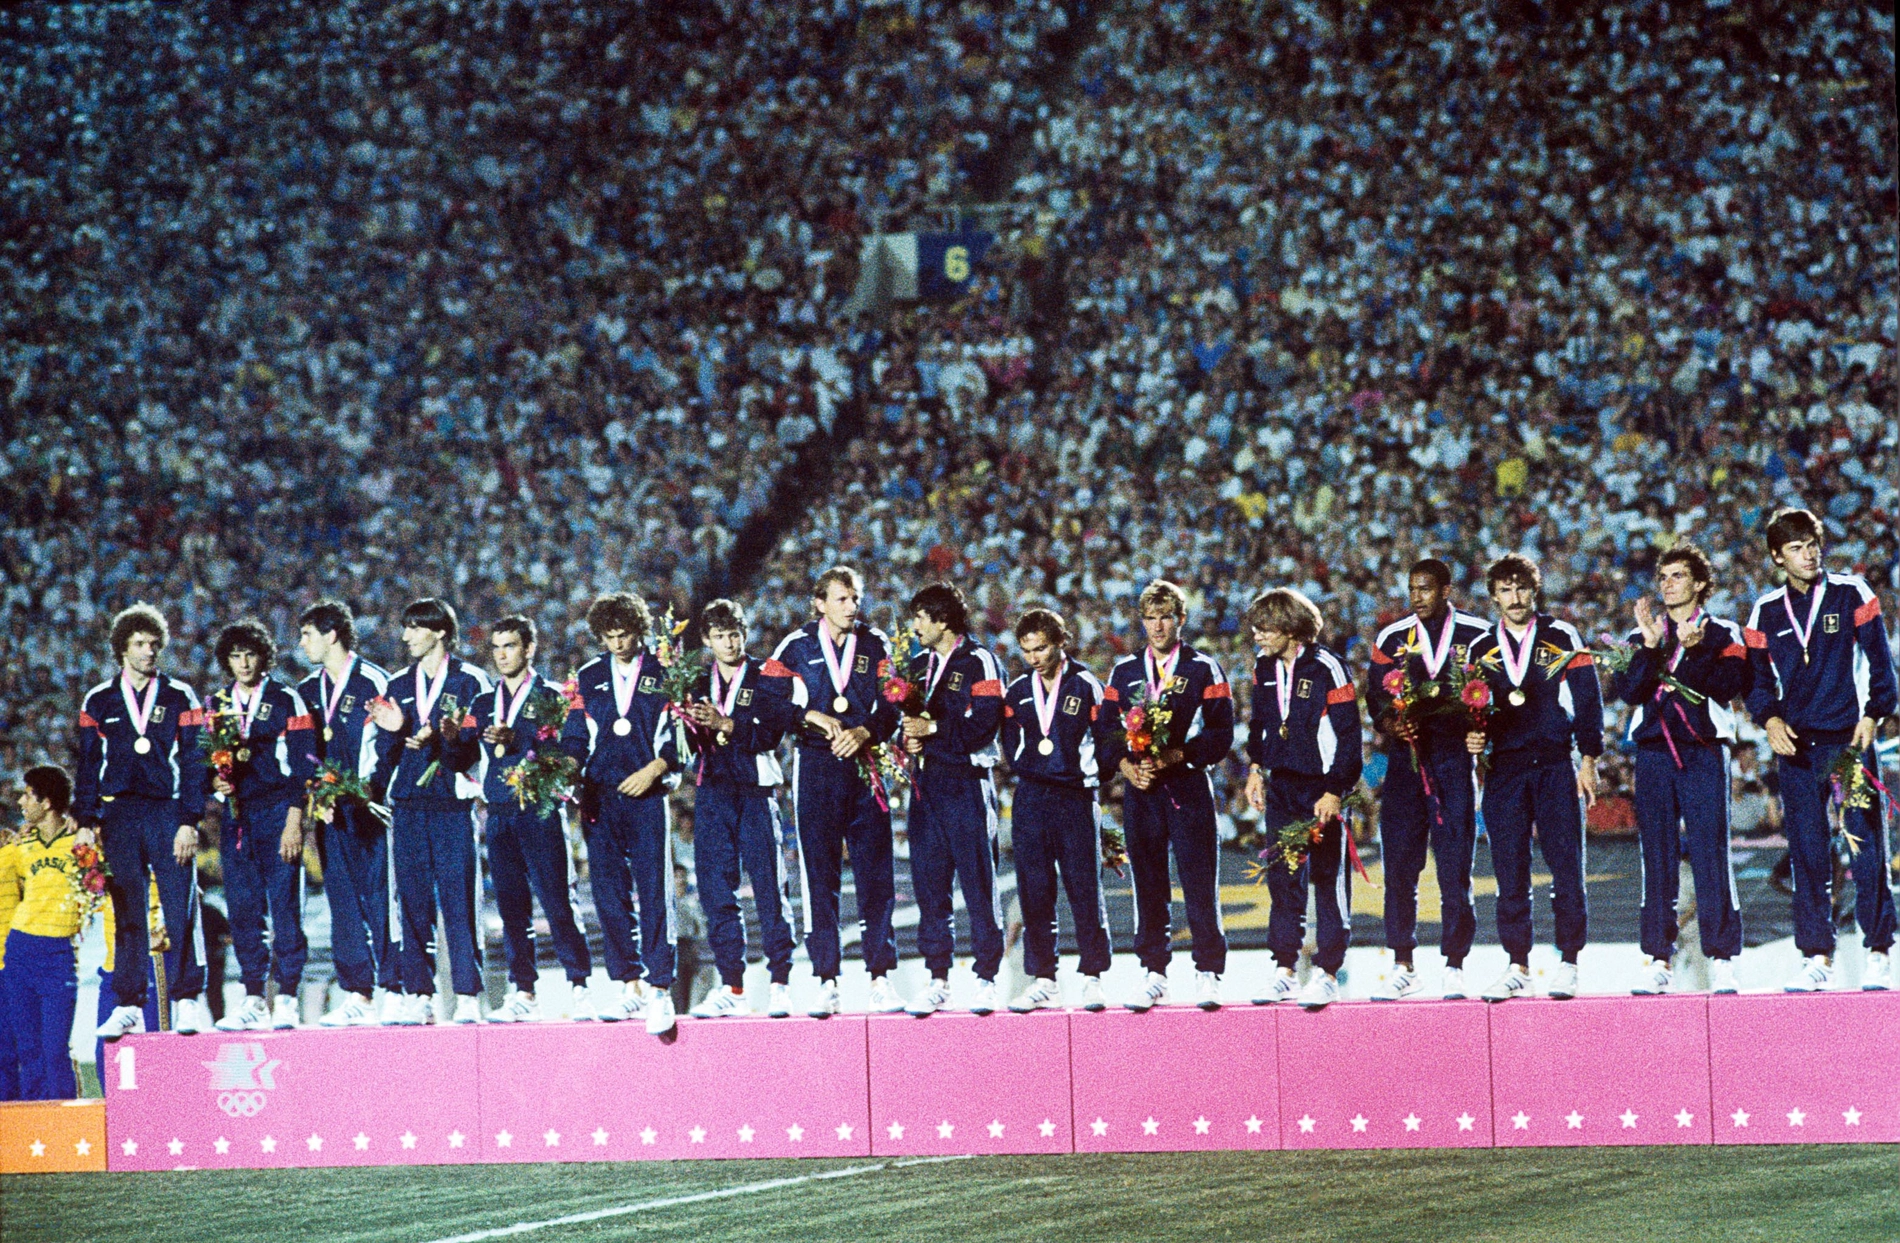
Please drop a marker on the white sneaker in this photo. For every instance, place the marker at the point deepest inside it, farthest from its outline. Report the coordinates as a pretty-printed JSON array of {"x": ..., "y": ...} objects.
[
  {"x": 122, "y": 1021},
  {"x": 519, "y": 1007},
  {"x": 985, "y": 1002},
  {"x": 1321, "y": 990},
  {"x": 1207, "y": 990},
  {"x": 252, "y": 1016},
  {"x": 1154, "y": 992},
  {"x": 468, "y": 1008},
  {"x": 1454, "y": 987},
  {"x": 1816, "y": 975},
  {"x": 721, "y": 1003},
  {"x": 827, "y": 1003},
  {"x": 580, "y": 1004},
  {"x": 190, "y": 1015},
  {"x": 660, "y": 1017},
  {"x": 1515, "y": 982},
  {"x": 924, "y": 1004},
  {"x": 1402, "y": 983},
  {"x": 395, "y": 1007},
  {"x": 1094, "y": 996},
  {"x": 1878, "y": 976},
  {"x": 1281, "y": 988},
  {"x": 1563, "y": 981},
  {"x": 355, "y": 1011},
  {"x": 778, "y": 1001},
  {"x": 1655, "y": 979},
  {"x": 1040, "y": 995},
  {"x": 283, "y": 1013},
  {"x": 885, "y": 999},
  {"x": 1722, "y": 976},
  {"x": 631, "y": 1003}
]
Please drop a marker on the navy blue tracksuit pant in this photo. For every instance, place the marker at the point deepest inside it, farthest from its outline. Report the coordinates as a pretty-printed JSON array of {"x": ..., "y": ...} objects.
[
  {"x": 629, "y": 848},
  {"x": 1177, "y": 812},
  {"x": 1446, "y": 819},
  {"x": 9, "y": 1048},
  {"x": 837, "y": 810},
  {"x": 1290, "y": 798},
  {"x": 737, "y": 825},
  {"x": 42, "y": 991},
  {"x": 527, "y": 861},
  {"x": 136, "y": 838},
  {"x": 953, "y": 839},
  {"x": 1057, "y": 829},
  {"x": 1687, "y": 806},
  {"x": 1805, "y": 790},
  {"x": 434, "y": 847},
  {"x": 354, "y": 850},
  {"x": 1520, "y": 797},
  {"x": 257, "y": 880}
]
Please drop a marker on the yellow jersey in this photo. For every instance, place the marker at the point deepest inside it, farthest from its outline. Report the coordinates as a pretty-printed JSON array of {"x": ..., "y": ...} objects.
[
  {"x": 10, "y": 884},
  {"x": 50, "y": 904}
]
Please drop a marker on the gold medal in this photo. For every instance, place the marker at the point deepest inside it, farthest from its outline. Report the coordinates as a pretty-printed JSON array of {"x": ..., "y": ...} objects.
[
  {"x": 143, "y": 746},
  {"x": 1282, "y": 729},
  {"x": 1516, "y": 698},
  {"x": 1046, "y": 747},
  {"x": 329, "y": 735},
  {"x": 1431, "y": 690},
  {"x": 500, "y": 750},
  {"x": 243, "y": 755},
  {"x": 623, "y": 727},
  {"x": 841, "y": 704}
]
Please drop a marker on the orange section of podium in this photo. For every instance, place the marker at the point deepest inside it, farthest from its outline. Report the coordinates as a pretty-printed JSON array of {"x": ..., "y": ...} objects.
[{"x": 52, "y": 1137}]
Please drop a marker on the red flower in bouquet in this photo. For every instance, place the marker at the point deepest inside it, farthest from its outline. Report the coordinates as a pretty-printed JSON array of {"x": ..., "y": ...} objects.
[
  {"x": 1476, "y": 698},
  {"x": 1394, "y": 683},
  {"x": 1136, "y": 718}
]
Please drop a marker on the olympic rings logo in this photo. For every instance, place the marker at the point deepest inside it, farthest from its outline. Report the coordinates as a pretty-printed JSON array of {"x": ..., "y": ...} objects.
[{"x": 241, "y": 1104}]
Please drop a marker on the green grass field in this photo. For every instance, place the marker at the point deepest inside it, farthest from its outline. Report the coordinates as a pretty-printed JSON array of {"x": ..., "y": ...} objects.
[{"x": 1535, "y": 1196}]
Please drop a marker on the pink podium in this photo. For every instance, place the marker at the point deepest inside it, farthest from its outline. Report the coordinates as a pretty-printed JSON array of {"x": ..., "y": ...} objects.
[
  {"x": 273, "y": 1100},
  {"x": 1175, "y": 1079},
  {"x": 1806, "y": 1070},
  {"x": 963, "y": 1083},
  {"x": 1369, "y": 1074},
  {"x": 1600, "y": 1070}
]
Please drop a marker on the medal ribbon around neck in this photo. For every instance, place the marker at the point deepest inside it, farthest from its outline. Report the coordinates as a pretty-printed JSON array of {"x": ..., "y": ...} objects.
[
  {"x": 1675, "y": 657},
  {"x": 1434, "y": 655},
  {"x": 1814, "y": 612},
  {"x": 513, "y": 710},
  {"x": 246, "y": 715},
  {"x": 623, "y": 685},
  {"x": 730, "y": 699},
  {"x": 836, "y": 663},
  {"x": 141, "y": 714},
  {"x": 1283, "y": 685},
  {"x": 428, "y": 692},
  {"x": 1045, "y": 705},
  {"x": 1151, "y": 663},
  {"x": 1516, "y": 667},
  {"x": 332, "y": 698},
  {"x": 936, "y": 670}
]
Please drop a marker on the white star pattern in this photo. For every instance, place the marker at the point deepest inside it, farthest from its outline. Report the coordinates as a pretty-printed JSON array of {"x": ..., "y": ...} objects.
[
  {"x": 408, "y": 1139},
  {"x": 1465, "y": 1121},
  {"x": 649, "y": 1136},
  {"x": 457, "y": 1139},
  {"x": 176, "y": 1147},
  {"x": 1099, "y": 1127},
  {"x": 83, "y": 1147},
  {"x": 1359, "y": 1123},
  {"x": 1411, "y": 1121},
  {"x": 697, "y": 1135},
  {"x": 746, "y": 1133},
  {"x": 38, "y": 1149},
  {"x": 1629, "y": 1119},
  {"x": 315, "y": 1143},
  {"x": 361, "y": 1141},
  {"x": 1253, "y": 1125},
  {"x": 1149, "y": 1126},
  {"x": 996, "y": 1130},
  {"x": 130, "y": 1148},
  {"x": 1685, "y": 1118},
  {"x": 1201, "y": 1124},
  {"x": 1307, "y": 1124},
  {"x": 551, "y": 1137},
  {"x": 1574, "y": 1120},
  {"x": 1850, "y": 1116},
  {"x": 1047, "y": 1128},
  {"x": 600, "y": 1137},
  {"x": 944, "y": 1129},
  {"x": 269, "y": 1144},
  {"x": 1521, "y": 1121},
  {"x": 1739, "y": 1117},
  {"x": 895, "y": 1130},
  {"x": 504, "y": 1140},
  {"x": 1796, "y": 1117},
  {"x": 221, "y": 1144},
  {"x": 844, "y": 1130},
  {"x": 794, "y": 1132}
]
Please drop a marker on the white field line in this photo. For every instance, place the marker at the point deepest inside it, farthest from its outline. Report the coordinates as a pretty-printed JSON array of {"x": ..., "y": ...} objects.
[{"x": 647, "y": 1206}]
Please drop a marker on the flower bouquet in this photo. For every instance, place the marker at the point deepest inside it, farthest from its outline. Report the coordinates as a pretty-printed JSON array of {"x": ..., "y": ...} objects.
[
  {"x": 89, "y": 884},
  {"x": 1852, "y": 789},
  {"x": 449, "y": 714},
  {"x": 1296, "y": 840},
  {"x": 1145, "y": 726},
  {"x": 1617, "y": 655},
  {"x": 331, "y": 785},
  {"x": 545, "y": 776},
  {"x": 222, "y": 742},
  {"x": 680, "y": 669}
]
